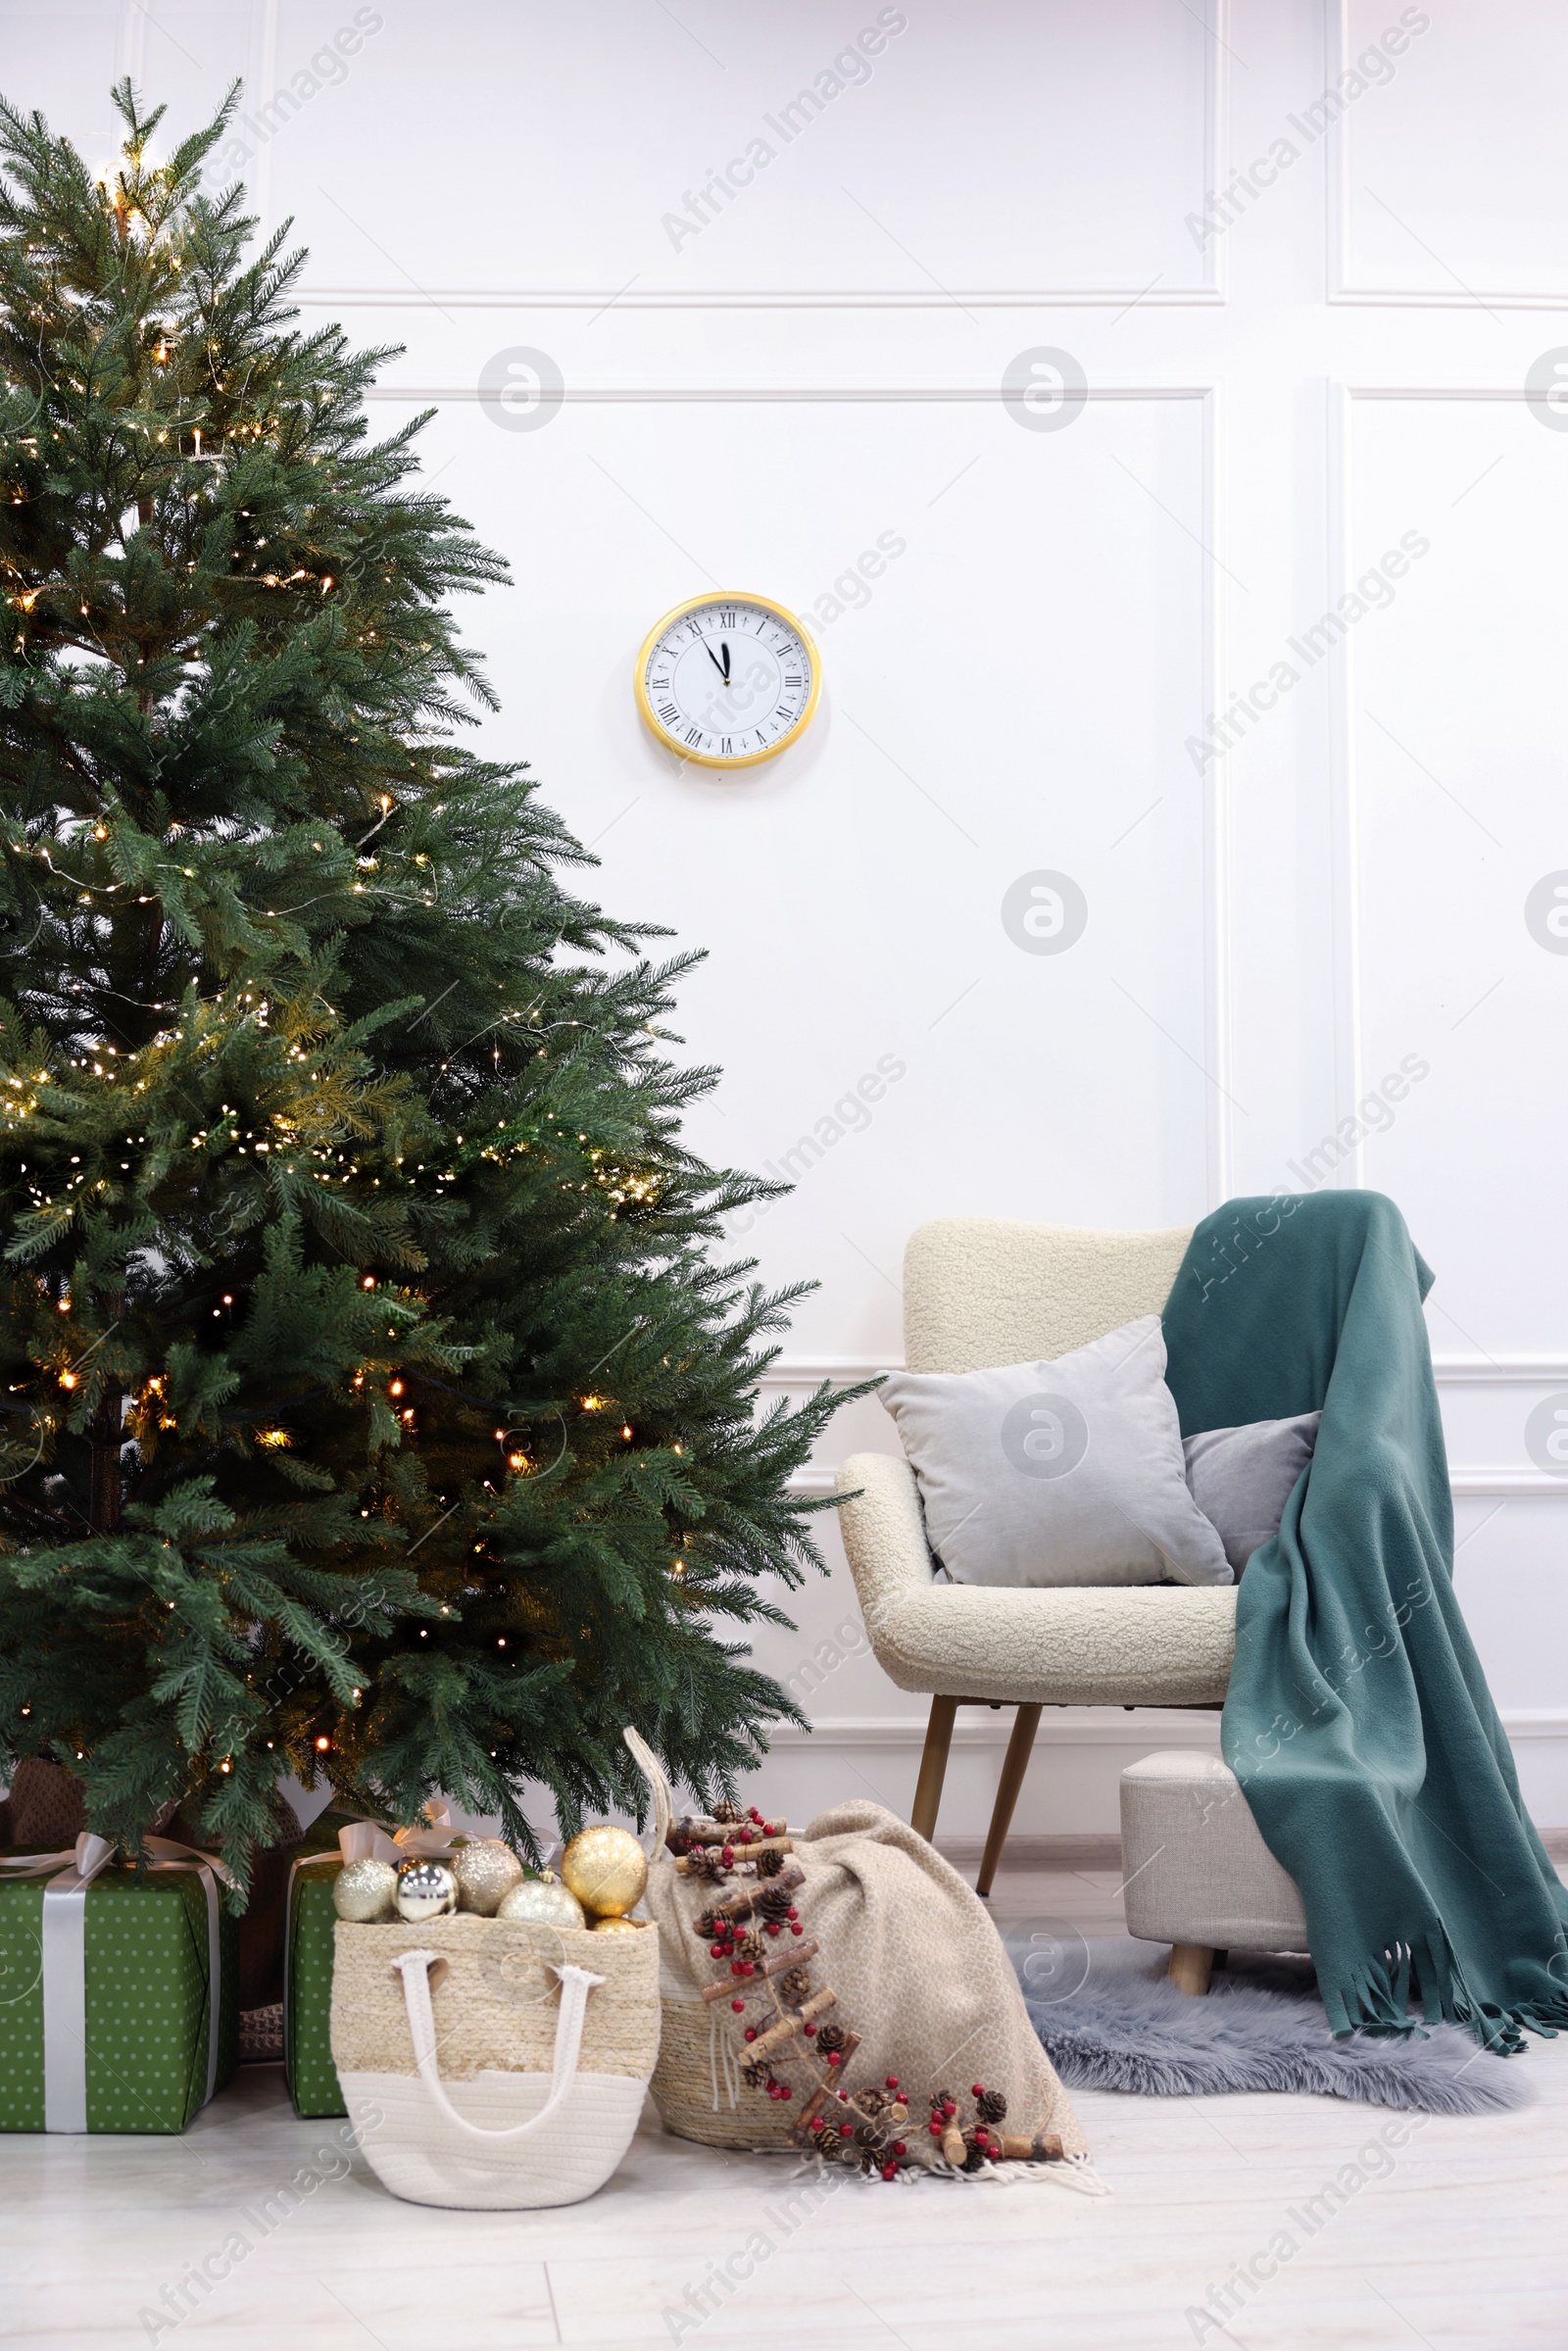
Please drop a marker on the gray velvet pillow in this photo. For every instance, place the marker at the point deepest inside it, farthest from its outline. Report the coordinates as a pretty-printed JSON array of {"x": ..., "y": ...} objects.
[
  {"x": 1058, "y": 1473},
  {"x": 1240, "y": 1479}
]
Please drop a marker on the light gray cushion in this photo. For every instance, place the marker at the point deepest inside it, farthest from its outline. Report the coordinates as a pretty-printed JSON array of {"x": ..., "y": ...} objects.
[
  {"x": 1068, "y": 1472},
  {"x": 1240, "y": 1479}
]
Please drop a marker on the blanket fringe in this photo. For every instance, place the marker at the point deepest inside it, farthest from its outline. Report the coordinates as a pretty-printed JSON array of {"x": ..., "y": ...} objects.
[
  {"x": 1074, "y": 2172},
  {"x": 1375, "y": 1998}
]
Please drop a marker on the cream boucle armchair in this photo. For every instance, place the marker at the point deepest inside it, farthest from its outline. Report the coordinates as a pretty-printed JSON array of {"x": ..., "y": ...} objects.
[{"x": 980, "y": 1292}]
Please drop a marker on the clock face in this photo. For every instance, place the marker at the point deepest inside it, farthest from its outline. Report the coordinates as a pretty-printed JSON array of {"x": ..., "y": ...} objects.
[{"x": 727, "y": 680}]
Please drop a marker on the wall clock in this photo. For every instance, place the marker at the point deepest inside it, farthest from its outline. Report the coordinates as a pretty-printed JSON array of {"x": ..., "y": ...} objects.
[{"x": 727, "y": 680}]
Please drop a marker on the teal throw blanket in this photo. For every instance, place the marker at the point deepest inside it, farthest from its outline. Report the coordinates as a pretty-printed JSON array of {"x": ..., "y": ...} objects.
[{"x": 1359, "y": 1721}]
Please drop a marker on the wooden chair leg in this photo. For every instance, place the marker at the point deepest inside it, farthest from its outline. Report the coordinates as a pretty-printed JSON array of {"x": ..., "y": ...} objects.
[
  {"x": 1014, "y": 1764},
  {"x": 1190, "y": 1964},
  {"x": 933, "y": 1766}
]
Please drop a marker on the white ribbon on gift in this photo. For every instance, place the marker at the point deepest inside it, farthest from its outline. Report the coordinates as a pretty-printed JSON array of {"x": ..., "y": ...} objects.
[
  {"x": 63, "y": 1958},
  {"x": 364, "y": 1838}
]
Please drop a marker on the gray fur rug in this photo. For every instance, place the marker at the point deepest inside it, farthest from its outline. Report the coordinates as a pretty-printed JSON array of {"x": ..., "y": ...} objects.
[{"x": 1109, "y": 2018}]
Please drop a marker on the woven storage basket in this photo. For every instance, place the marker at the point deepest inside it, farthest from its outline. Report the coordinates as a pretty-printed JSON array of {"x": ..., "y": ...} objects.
[
  {"x": 916, "y": 1971},
  {"x": 494, "y": 2064}
]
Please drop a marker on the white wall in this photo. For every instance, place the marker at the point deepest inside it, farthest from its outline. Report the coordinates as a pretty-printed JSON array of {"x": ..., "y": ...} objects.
[{"x": 1271, "y": 408}]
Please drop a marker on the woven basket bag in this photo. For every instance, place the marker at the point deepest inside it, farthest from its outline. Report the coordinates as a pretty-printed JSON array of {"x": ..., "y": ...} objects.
[{"x": 494, "y": 2064}]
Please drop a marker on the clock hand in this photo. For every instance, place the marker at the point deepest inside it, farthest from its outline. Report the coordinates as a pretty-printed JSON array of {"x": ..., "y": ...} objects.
[
  {"x": 724, "y": 650},
  {"x": 722, "y": 669}
]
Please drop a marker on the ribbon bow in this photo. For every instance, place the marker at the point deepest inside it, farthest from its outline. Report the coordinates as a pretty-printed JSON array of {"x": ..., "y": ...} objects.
[
  {"x": 64, "y": 1951},
  {"x": 366, "y": 1838}
]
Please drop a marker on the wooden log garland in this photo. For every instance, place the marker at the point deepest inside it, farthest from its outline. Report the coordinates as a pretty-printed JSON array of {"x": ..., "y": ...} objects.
[
  {"x": 1019, "y": 2147},
  {"x": 734, "y": 1987},
  {"x": 803, "y": 2131},
  {"x": 764, "y": 1844},
  {"x": 952, "y": 2148},
  {"x": 744, "y": 1900},
  {"x": 786, "y": 2029},
  {"x": 694, "y": 1829}
]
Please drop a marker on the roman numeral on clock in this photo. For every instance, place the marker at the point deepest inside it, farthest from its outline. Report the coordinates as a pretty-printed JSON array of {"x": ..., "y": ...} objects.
[{"x": 668, "y": 712}]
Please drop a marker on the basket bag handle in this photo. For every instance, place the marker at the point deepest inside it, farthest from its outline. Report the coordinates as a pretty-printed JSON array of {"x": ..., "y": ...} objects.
[{"x": 575, "y": 1985}]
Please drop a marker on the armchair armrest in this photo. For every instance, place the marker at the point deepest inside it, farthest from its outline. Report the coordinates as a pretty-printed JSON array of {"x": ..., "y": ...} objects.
[{"x": 884, "y": 1533}]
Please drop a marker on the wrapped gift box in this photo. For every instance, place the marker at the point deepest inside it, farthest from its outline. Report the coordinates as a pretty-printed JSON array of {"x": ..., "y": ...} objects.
[
  {"x": 335, "y": 1836},
  {"x": 110, "y": 2019}
]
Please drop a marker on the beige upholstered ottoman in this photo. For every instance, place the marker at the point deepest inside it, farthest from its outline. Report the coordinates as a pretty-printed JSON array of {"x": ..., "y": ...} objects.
[{"x": 1196, "y": 1871}]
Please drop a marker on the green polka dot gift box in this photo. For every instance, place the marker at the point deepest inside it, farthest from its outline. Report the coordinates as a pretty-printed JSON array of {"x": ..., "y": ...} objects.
[
  {"x": 337, "y": 1836},
  {"x": 109, "y": 2016}
]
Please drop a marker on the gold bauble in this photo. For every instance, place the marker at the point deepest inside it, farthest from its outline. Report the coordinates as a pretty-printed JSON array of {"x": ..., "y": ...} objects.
[
  {"x": 615, "y": 1924},
  {"x": 606, "y": 1869},
  {"x": 541, "y": 1904},
  {"x": 486, "y": 1871},
  {"x": 365, "y": 1891}
]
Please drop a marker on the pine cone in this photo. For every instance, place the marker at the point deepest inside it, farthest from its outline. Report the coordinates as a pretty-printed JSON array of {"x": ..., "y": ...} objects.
[
  {"x": 729, "y": 1814},
  {"x": 830, "y": 2037},
  {"x": 870, "y": 2101},
  {"x": 794, "y": 1987},
  {"x": 938, "y": 2099},
  {"x": 770, "y": 1864},
  {"x": 705, "y": 1862},
  {"x": 864, "y": 2135},
  {"x": 708, "y": 1923},
  {"x": 991, "y": 2106},
  {"x": 748, "y": 1946},
  {"x": 758, "y": 2074},
  {"x": 773, "y": 1902},
  {"x": 829, "y": 2140},
  {"x": 974, "y": 2160}
]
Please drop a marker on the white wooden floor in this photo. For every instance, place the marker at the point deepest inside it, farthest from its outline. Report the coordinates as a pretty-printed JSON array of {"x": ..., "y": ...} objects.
[{"x": 1456, "y": 2237}]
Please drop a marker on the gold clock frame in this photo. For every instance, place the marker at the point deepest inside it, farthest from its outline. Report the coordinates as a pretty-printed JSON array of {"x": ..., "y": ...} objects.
[{"x": 695, "y": 604}]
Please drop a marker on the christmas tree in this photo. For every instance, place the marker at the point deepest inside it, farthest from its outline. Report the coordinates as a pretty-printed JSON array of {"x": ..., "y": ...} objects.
[{"x": 376, "y": 1406}]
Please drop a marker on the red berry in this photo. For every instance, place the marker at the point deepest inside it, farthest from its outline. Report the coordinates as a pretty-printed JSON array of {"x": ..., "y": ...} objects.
[
  {"x": 892, "y": 2081},
  {"x": 810, "y": 2031},
  {"x": 890, "y": 2171},
  {"x": 936, "y": 2129},
  {"x": 773, "y": 1927},
  {"x": 794, "y": 1929},
  {"x": 752, "y": 1813},
  {"x": 834, "y": 2058},
  {"x": 737, "y": 1967},
  {"x": 727, "y": 1856},
  {"x": 975, "y": 2090},
  {"x": 980, "y": 2135},
  {"x": 785, "y": 2091},
  {"x": 844, "y": 2097},
  {"x": 949, "y": 2108},
  {"x": 751, "y": 2031},
  {"x": 792, "y": 1912},
  {"x": 816, "y": 2122},
  {"x": 737, "y": 2005},
  {"x": 898, "y": 2147},
  {"x": 750, "y": 1968}
]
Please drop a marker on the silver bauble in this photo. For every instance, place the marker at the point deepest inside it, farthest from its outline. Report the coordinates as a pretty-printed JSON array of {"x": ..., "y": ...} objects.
[
  {"x": 365, "y": 1891},
  {"x": 544, "y": 1905},
  {"x": 486, "y": 1871},
  {"x": 427, "y": 1890}
]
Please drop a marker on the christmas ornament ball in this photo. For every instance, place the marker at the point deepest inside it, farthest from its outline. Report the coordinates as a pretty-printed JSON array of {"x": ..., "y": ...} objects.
[
  {"x": 365, "y": 1891},
  {"x": 606, "y": 1869},
  {"x": 427, "y": 1890},
  {"x": 486, "y": 1871},
  {"x": 615, "y": 1924},
  {"x": 542, "y": 1902}
]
